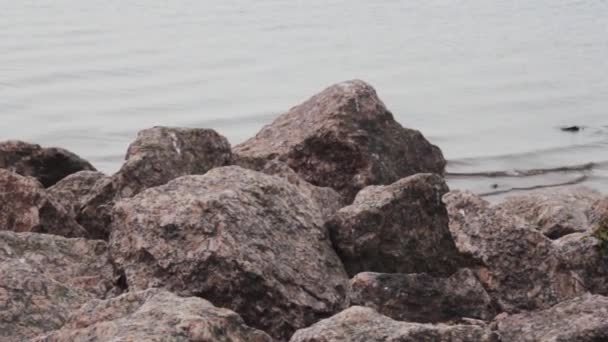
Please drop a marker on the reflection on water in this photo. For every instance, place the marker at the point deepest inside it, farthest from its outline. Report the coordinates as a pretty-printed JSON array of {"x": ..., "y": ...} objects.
[{"x": 490, "y": 82}]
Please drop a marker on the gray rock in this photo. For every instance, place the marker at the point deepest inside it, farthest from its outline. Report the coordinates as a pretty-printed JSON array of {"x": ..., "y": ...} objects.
[
  {"x": 556, "y": 212},
  {"x": 43, "y": 278},
  {"x": 73, "y": 191},
  {"x": 27, "y": 207},
  {"x": 583, "y": 319},
  {"x": 327, "y": 199},
  {"x": 343, "y": 138},
  {"x": 423, "y": 297},
  {"x": 48, "y": 165},
  {"x": 397, "y": 228},
  {"x": 157, "y": 156},
  {"x": 521, "y": 268},
  {"x": 238, "y": 238},
  {"x": 360, "y": 324},
  {"x": 154, "y": 315}
]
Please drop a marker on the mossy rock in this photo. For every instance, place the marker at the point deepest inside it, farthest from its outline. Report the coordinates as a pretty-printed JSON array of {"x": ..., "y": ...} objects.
[{"x": 601, "y": 233}]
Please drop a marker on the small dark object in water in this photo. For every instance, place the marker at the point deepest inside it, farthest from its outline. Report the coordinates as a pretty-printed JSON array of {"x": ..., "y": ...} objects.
[
  {"x": 494, "y": 186},
  {"x": 571, "y": 128}
]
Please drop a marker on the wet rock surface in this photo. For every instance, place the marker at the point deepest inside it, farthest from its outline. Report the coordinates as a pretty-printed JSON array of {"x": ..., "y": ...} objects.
[
  {"x": 239, "y": 238},
  {"x": 423, "y": 297},
  {"x": 397, "y": 228},
  {"x": 157, "y": 156},
  {"x": 557, "y": 212},
  {"x": 344, "y": 138},
  {"x": 154, "y": 315},
  {"x": 44, "y": 278},
  {"x": 27, "y": 207},
  {"x": 360, "y": 324},
  {"x": 48, "y": 165},
  {"x": 521, "y": 268},
  {"x": 583, "y": 319}
]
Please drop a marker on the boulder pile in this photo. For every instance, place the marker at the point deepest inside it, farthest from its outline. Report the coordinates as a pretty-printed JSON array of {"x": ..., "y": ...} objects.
[{"x": 333, "y": 223}]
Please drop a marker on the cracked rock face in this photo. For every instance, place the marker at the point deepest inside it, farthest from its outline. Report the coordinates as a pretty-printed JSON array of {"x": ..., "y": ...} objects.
[
  {"x": 44, "y": 278},
  {"x": 360, "y": 324},
  {"x": 422, "y": 297},
  {"x": 48, "y": 165},
  {"x": 157, "y": 156},
  {"x": 239, "y": 238},
  {"x": 154, "y": 315},
  {"x": 521, "y": 268},
  {"x": 582, "y": 319},
  {"x": 27, "y": 207},
  {"x": 556, "y": 213},
  {"x": 343, "y": 138},
  {"x": 397, "y": 228}
]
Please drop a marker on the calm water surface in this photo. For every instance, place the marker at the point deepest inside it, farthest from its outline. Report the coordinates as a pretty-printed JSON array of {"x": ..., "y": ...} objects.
[{"x": 490, "y": 82}]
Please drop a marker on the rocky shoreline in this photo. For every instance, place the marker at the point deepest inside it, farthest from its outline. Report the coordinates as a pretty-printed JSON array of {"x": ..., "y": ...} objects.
[{"x": 333, "y": 223}]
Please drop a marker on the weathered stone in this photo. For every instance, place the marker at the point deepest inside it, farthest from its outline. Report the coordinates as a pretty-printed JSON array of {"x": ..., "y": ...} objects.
[
  {"x": 397, "y": 228},
  {"x": 43, "y": 278},
  {"x": 583, "y": 319},
  {"x": 327, "y": 199},
  {"x": 556, "y": 212},
  {"x": 521, "y": 269},
  {"x": 78, "y": 263},
  {"x": 157, "y": 156},
  {"x": 27, "y": 207},
  {"x": 72, "y": 191},
  {"x": 48, "y": 165},
  {"x": 422, "y": 297},
  {"x": 154, "y": 315},
  {"x": 343, "y": 138},
  {"x": 239, "y": 238},
  {"x": 585, "y": 256},
  {"x": 360, "y": 324}
]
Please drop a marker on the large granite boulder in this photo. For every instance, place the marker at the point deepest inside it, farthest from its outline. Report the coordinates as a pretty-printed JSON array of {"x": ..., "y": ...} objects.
[
  {"x": 241, "y": 239},
  {"x": 157, "y": 156},
  {"x": 154, "y": 315},
  {"x": 343, "y": 138},
  {"x": 27, "y": 207},
  {"x": 73, "y": 191},
  {"x": 521, "y": 268},
  {"x": 397, "y": 228},
  {"x": 360, "y": 324},
  {"x": 582, "y": 319},
  {"x": 557, "y": 212},
  {"x": 43, "y": 278},
  {"x": 423, "y": 297},
  {"x": 48, "y": 165}
]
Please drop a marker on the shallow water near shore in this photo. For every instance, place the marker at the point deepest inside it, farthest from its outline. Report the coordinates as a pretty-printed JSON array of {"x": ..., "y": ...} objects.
[{"x": 490, "y": 82}]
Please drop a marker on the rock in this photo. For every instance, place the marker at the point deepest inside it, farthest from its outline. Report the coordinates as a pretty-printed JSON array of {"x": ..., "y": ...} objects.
[
  {"x": 27, "y": 207},
  {"x": 397, "y": 228},
  {"x": 157, "y": 156},
  {"x": 585, "y": 256},
  {"x": 48, "y": 165},
  {"x": 360, "y": 324},
  {"x": 161, "y": 154},
  {"x": 43, "y": 278},
  {"x": 154, "y": 315},
  {"x": 556, "y": 212},
  {"x": 521, "y": 268},
  {"x": 327, "y": 199},
  {"x": 343, "y": 138},
  {"x": 238, "y": 238},
  {"x": 32, "y": 303},
  {"x": 78, "y": 263},
  {"x": 422, "y": 297},
  {"x": 583, "y": 319},
  {"x": 72, "y": 191}
]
